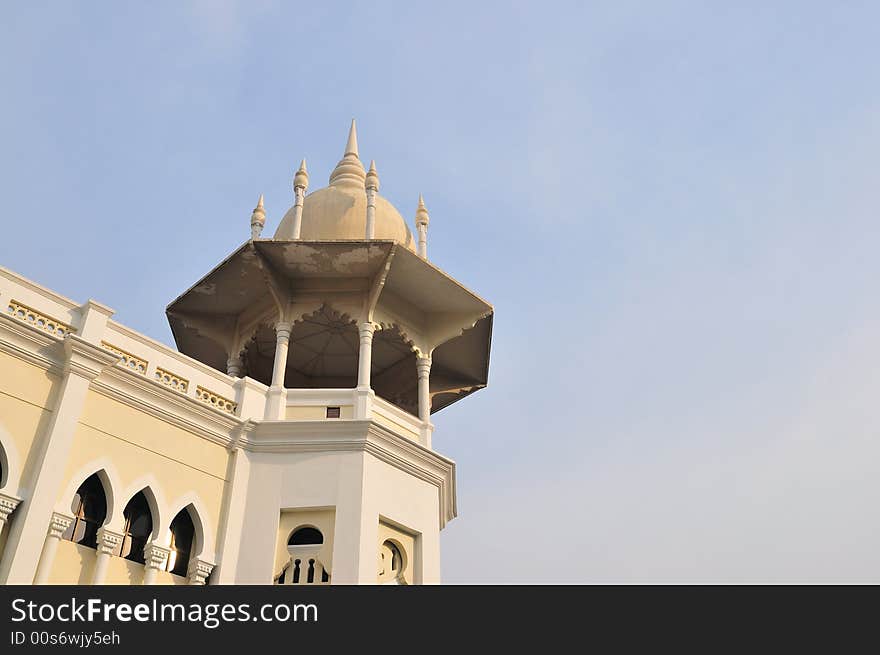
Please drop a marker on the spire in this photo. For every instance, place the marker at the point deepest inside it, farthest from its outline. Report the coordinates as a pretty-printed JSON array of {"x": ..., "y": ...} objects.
[
  {"x": 351, "y": 148},
  {"x": 349, "y": 171},
  {"x": 301, "y": 179},
  {"x": 372, "y": 181},
  {"x": 422, "y": 217},
  {"x": 258, "y": 219}
]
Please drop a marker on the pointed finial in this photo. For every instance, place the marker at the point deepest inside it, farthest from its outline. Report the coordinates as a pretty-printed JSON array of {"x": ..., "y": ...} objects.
[
  {"x": 372, "y": 181},
  {"x": 258, "y": 219},
  {"x": 422, "y": 217},
  {"x": 349, "y": 171},
  {"x": 351, "y": 148},
  {"x": 301, "y": 179}
]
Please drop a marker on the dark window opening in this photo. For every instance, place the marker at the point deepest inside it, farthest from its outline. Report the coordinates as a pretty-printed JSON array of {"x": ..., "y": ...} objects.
[
  {"x": 182, "y": 535},
  {"x": 306, "y": 537},
  {"x": 333, "y": 412},
  {"x": 89, "y": 511},
  {"x": 138, "y": 528}
]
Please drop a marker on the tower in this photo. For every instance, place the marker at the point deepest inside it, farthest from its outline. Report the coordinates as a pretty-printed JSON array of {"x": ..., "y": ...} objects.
[{"x": 346, "y": 339}]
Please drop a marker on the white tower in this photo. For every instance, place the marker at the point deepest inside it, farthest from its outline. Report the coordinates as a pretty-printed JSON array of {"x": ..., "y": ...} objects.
[{"x": 348, "y": 340}]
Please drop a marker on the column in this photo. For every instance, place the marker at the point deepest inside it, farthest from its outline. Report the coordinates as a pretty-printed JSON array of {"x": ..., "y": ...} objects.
[
  {"x": 7, "y": 507},
  {"x": 108, "y": 541},
  {"x": 275, "y": 404},
  {"x": 356, "y": 527},
  {"x": 364, "y": 394},
  {"x": 233, "y": 512},
  {"x": 155, "y": 558},
  {"x": 83, "y": 362},
  {"x": 233, "y": 367},
  {"x": 423, "y": 367},
  {"x": 57, "y": 525},
  {"x": 198, "y": 571}
]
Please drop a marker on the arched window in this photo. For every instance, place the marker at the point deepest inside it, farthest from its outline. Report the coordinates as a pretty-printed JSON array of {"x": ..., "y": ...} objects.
[
  {"x": 89, "y": 511},
  {"x": 138, "y": 528},
  {"x": 182, "y": 533},
  {"x": 390, "y": 564},
  {"x": 306, "y": 537}
]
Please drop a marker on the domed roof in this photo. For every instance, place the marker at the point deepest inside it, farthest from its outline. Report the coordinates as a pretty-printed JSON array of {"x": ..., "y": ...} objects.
[{"x": 339, "y": 211}]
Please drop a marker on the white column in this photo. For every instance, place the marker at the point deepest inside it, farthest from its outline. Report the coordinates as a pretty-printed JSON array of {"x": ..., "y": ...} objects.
[
  {"x": 233, "y": 513},
  {"x": 155, "y": 558},
  {"x": 356, "y": 527},
  {"x": 364, "y": 394},
  {"x": 57, "y": 525},
  {"x": 108, "y": 541},
  {"x": 198, "y": 571},
  {"x": 275, "y": 404},
  {"x": 83, "y": 362},
  {"x": 233, "y": 367},
  {"x": 423, "y": 367}
]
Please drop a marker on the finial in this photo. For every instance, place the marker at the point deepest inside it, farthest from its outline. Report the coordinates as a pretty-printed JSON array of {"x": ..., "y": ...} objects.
[
  {"x": 258, "y": 219},
  {"x": 372, "y": 181},
  {"x": 349, "y": 171},
  {"x": 301, "y": 179},
  {"x": 422, "y": 217},
  {"x": 351, "y": 148}
]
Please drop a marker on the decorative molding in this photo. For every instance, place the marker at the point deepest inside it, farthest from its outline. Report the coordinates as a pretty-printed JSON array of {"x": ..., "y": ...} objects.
[
  {"x": 129, "y": 361},
  {"x": 7, "y": 506},
  {"x": 58, "y": 524},
  {"x": 171, "y": 380},
  {"x": 38, "y": 320},
  {"x": 108, "y": 541},
  {"x": 215, "y": 400},
  {"x": 198, "y": 571},
  {"x": 155, "y": 556},
  {"x": 85, "y": 359}
]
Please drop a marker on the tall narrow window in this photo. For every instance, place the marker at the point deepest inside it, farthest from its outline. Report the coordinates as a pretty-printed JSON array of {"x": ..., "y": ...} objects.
[
  {"x": 182, "y": 533},
  {"x": 89, "y": 511},
  {"x": 138, "y": 528}
]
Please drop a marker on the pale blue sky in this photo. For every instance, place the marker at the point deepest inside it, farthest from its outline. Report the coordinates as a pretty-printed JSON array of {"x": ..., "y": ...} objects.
[{"x": 672, "y": 205}]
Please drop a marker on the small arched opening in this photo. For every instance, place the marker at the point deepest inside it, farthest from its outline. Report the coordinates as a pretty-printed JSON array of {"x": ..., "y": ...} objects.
[
  {"x": 89, "y": 507},
  {"x": 137, "y": 528},
  {"x": 182, "y": 542}
]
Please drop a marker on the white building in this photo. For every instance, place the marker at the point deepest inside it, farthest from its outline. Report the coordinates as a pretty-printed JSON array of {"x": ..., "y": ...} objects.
[{"x": 288, "y": 440}]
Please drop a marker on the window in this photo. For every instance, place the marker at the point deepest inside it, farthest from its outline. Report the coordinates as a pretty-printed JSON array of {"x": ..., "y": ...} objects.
[
  {"x": 182, "y": 533},
  {"x": 89, "y": 511},
  {"x": 332, "y": 412},
  {"x": 306, "y": 537},
  {"x": 138, "y": 528},
  {"x": 390, "y": 564}
]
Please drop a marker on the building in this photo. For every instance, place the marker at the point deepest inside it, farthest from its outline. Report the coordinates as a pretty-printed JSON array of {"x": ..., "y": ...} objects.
[{"x": 287, "y": 440}]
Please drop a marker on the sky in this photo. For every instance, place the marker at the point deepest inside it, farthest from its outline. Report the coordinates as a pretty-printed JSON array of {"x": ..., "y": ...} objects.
[{"x": 672, "y": 206}]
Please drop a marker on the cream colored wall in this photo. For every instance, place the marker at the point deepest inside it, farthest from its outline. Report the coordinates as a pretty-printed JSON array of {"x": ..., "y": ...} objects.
[
  {"x": 26, "y": 397},
  {"x": 315, "y": 413},
  {"x": 182, "y": 467},
  {"x": 291, "y": 519},
  {"x": 73, "y": 564}
]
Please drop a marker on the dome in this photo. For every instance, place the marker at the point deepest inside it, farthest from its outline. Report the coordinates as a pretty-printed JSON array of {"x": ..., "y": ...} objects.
[{"x": 339, "y": 211}]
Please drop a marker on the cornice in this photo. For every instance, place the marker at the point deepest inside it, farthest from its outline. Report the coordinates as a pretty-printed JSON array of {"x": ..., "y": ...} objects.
[
  {"x": 28, "y": 343},
  {"x": 354, "y": 435},
  {"x": 155, "y": 399},
  {"x": 86, "y": 359}
]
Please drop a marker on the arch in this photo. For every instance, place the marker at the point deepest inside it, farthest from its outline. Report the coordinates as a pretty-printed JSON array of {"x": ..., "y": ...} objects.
[
  {"x": 139, "y": 527},
  {"x": 203, "y": 540},
  {"x": 153, "y": 493},
  {"x": 10, "y": 469},
  {"x": 89, "y": 509},
  {"x": 106, "y": 472},
  {"x": 305, "y": 535},
  {"x": 398, "y": 564}
]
